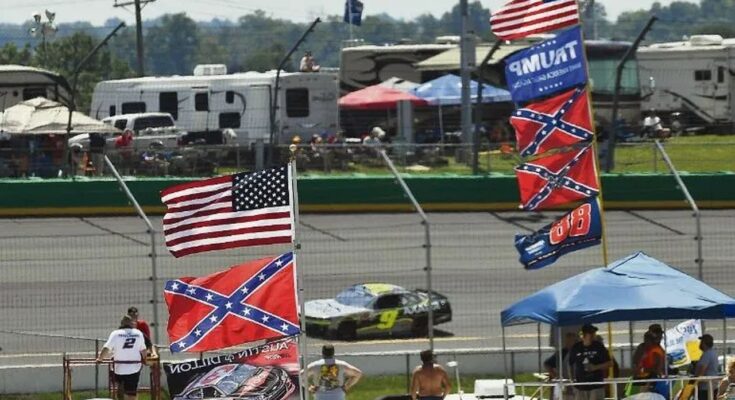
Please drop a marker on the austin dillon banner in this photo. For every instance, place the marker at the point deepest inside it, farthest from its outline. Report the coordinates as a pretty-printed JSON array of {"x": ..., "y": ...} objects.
[
  {"x": 269, "y": 372},
  {"x": 548, "y": 67}
]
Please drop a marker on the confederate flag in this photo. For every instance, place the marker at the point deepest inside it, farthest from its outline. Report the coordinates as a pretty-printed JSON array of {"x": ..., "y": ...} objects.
[
  {"x": 556, "y": 122},
  {"x": 248, "y": 302},
  {"x": 557, "y": 179}
]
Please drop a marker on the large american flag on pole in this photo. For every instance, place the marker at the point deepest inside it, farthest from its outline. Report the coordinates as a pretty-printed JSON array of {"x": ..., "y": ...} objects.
[
  {"x": 520, "y": 18},
  {"x": 245, "y": 209}
]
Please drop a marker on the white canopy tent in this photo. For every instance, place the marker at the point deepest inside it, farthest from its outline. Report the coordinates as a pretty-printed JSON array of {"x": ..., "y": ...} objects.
[{"x": 41, "y": 116}]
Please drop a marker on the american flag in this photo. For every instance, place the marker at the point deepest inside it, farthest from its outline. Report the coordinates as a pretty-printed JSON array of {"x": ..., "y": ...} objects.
[
  {"x": 246, "y": 209},
  {"x": 520, "y": 18}
]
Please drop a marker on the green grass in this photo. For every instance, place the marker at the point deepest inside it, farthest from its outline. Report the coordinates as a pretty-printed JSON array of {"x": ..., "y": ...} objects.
[
  {"x": 369, "y": 388},
  {"x": 703, "y": 153}
]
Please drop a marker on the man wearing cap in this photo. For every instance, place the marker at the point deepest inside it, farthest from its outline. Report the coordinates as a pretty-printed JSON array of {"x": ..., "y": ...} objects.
[
  {"x": 588, "y": 360},
  {"x": 126, "y": 345},
  {"x": 329, "y": 378},
  {"x": 707, "y": 366}
]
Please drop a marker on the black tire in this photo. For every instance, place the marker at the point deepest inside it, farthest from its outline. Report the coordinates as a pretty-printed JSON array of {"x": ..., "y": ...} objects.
[
  {"x": 420, "y": 327},
  {"x": 347, "y": 331}
]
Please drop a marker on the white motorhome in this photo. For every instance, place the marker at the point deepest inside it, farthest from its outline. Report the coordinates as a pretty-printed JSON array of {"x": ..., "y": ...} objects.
[
  {"x": 19, "y": 83},
  {"x": 212, "y": 100},
  {"x": 694, "y": 77}
]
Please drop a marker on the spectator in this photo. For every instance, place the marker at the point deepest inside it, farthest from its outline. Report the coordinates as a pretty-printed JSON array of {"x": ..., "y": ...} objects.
[
  {"x": 706, "y": 366},
  {"x": 124, "y": 147},
  {"x": 377, "y": 134},
  {"x": 658, "y": 334},
  {"x": 551, "y": 365},
  {"x": 652, "y": 125},
  {"x": 329, "y": 378},
  {"x": 97, "y": 152},
  {"x": 727, "y": 385},
  {"x": 651, "y": 363},
  {"x": 128, "y": 345},
  {"x": 588, "y": 361},
  {"x": 140, "y": 324},
  {"x": 308, "y": 63},
  {"x": 429, "y": 381}
]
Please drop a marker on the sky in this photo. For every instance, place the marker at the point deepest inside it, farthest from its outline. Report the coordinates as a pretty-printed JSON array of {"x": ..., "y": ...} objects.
[{"x": 98, "y": 11}]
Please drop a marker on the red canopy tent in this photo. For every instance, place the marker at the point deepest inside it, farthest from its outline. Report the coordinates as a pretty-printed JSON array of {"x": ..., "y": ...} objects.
[{"x": 377, "y": 97}]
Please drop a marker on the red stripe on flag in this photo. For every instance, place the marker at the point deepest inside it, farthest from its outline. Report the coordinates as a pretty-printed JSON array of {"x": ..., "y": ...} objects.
[
  {"x": 249, "y": 218},
  {"x": 226, "y": 233},
  {"x": 518, "y": 19},
  {"x": 230, "y": 245},
  {"x": 195, "y": 184}
]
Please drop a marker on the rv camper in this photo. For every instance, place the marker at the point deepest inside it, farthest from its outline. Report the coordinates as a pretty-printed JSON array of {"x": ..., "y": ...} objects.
[
  {"x": 692, "y": 77},
  {"x": 211, "y": 100},
  {"x": 19, "y": 83}
]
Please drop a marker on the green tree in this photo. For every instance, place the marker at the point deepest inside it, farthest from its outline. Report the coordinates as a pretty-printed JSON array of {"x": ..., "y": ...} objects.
[
  {"x": 63, "y": 55},
  {"x": 172, "y": 45},
  {"x": 11, "y": 54}
]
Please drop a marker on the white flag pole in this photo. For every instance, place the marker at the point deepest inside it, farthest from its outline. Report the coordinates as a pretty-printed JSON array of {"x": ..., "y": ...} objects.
[{"x": 296, "y": 246}]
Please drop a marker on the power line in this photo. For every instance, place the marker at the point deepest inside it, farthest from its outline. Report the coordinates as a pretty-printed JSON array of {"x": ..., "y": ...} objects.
[{"x": 138, "y": 30}]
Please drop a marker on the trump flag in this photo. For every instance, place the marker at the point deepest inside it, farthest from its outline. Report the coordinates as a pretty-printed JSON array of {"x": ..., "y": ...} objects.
[
  {"x": 557, "y": 179},
  {"x": 556, "y": 122},
  {"x": 576, "y": 230},
  {"x": 248, "y": 302}
]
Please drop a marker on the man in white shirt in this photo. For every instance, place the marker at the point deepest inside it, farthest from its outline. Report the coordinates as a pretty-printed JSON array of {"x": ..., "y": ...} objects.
[
  {"x": 652, "y": 124},
  {"x": 329, "y": 378},
  {"x": 126, "y": 344}
]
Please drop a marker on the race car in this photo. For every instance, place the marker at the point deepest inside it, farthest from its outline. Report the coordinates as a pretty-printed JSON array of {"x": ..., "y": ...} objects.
[
  {"x": 375, "y": 309},
  {"x": 240, "y": 381}
]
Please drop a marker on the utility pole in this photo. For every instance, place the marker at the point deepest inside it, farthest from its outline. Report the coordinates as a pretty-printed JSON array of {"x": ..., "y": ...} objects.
[
  {"x": 138, "y": 30},
  {"x": 467, "y": 57}
]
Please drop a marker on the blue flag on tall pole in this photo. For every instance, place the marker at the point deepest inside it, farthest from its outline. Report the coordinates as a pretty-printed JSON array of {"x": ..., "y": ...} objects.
[
  {"x": 577, "y": 229},
  {"x": 353, "y": 12}
]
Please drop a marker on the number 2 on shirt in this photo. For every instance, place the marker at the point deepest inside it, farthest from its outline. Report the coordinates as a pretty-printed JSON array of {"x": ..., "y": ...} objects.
[{"x": 129, "y": 343}]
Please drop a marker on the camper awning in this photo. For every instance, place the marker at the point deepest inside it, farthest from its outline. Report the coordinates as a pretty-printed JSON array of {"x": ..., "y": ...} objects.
[{"x": 449, "y": 60}]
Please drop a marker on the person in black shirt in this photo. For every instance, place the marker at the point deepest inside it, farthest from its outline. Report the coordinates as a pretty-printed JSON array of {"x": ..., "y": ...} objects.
[{"x": 588, "y": 361}]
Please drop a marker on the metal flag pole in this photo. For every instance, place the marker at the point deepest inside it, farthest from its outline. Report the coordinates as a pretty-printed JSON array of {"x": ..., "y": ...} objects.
[
  {"x": 296, "y": 246},
  {"x": 600, "y": 198}
]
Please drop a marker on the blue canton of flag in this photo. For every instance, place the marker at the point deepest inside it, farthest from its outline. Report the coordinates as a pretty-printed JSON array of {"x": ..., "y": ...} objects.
[{"x": 249, "y": 302}]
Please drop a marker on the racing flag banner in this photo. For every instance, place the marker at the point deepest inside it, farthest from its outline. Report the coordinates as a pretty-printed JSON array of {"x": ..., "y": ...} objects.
[
  {"x": 546, "y": 68},
  {"x": 556, "y": 122},
  {"x": 557, "y": 179},
  {"x": 252, "y": 301},
  {"x": 576, "y": 230},
  {"x": 269, "y": 371}
]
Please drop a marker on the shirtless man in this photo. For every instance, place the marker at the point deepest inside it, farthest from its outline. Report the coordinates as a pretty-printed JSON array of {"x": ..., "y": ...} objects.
[{"x": 430, "y": 381}]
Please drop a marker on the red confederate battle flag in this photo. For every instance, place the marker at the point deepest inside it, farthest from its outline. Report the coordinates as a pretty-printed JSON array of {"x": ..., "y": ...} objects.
[
  {"x": 557, "y": 179},
  {"x": 556, "y": 122},
  {"x": 248, "y": 302},
  {"x": 520, "y": 18}
]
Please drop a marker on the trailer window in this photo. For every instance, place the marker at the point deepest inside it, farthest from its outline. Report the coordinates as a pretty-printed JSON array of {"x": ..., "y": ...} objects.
[
  {"x": 112, "y": 111},
  {"x": 720, "y": 74},
  {"x": 32, "y": 93},
  {"x": 297, "y": 103},
  {"x": 168, "y": 102},
  {"x": 201, "y": 102},
  {"x": 229, "y": 120},
  {"x": 134, "y": 107},
  {"x": 702, "y": 75},
  {"x": 229, "y": 97}
]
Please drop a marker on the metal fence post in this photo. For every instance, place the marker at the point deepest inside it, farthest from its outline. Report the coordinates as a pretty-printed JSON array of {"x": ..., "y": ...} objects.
[
  {"x": 152, "y": 232},
  {"x": 697, "y": 215},
  {"x": 408, "y": 373},
  {"x": 96, "y": 369}
]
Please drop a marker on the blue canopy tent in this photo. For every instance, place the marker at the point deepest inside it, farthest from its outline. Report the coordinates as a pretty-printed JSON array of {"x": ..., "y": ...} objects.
[
  {"x": 447, "y": 90},
  {"x": 634, "y": 288}
]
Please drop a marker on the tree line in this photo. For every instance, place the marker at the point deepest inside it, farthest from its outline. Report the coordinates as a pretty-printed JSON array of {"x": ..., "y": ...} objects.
[{"x": 175, "y": 43}]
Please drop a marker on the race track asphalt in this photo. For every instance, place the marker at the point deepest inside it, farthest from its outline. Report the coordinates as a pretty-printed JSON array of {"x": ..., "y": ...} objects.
[{"x": 76, "y": 276}]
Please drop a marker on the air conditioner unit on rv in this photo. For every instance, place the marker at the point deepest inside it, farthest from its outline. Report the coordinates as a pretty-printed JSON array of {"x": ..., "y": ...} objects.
[
  {"x": 210, "y": 69},
  {"x": 705, "y": 40}
]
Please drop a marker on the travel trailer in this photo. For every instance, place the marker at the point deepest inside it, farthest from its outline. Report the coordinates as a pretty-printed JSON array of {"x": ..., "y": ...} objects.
[
  {"x": 692, "y": 77},
  {"x": 19, "y": 83},
  {"x": 212, "y": 100}
]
